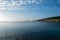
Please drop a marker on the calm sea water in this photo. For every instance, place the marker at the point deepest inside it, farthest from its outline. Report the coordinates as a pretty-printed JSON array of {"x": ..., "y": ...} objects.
[{"x": 30, "y": 31}]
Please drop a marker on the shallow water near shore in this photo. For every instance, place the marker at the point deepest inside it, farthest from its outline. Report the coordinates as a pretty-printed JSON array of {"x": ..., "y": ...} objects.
[{"x": 30, "y": 31}]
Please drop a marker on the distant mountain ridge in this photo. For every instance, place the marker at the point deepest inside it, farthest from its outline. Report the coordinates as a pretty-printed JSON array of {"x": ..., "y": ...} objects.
[{"x": 51, "y": 19}]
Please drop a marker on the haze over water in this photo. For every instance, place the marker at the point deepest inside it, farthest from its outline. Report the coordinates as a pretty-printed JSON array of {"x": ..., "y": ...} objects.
[
  {"x": 14, "y": 11},
  {"x": 30, "y": 30}
]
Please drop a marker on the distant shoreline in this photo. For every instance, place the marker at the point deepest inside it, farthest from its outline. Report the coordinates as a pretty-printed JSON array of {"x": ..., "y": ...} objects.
[{"x": 50, "y": 19}]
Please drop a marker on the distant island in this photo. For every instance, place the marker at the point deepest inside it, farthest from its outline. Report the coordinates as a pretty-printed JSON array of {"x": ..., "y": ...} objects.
[{"x": 50, "y": 19}]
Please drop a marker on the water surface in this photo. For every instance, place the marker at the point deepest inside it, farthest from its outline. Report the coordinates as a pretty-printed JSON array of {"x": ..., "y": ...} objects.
[{"x": 30, "y": 31}]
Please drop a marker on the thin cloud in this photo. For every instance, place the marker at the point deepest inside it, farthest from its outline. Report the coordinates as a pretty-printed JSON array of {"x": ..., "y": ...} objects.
[{"x": 23, "y": 4}]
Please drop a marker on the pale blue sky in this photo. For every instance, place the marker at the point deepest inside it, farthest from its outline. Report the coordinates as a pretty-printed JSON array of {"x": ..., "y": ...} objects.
[{"x": 16, "y": 10}]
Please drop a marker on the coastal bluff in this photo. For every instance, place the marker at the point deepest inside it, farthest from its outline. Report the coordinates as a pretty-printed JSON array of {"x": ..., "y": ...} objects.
[{"x": 50, "y": 19}]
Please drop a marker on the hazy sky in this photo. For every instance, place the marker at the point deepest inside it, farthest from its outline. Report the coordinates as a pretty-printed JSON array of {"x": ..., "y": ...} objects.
[{"x": 20, "y": 10}]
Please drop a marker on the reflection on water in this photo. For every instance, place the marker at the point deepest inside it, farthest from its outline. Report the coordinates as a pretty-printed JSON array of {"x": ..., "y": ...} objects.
[{"x": 30, "y": 31}]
